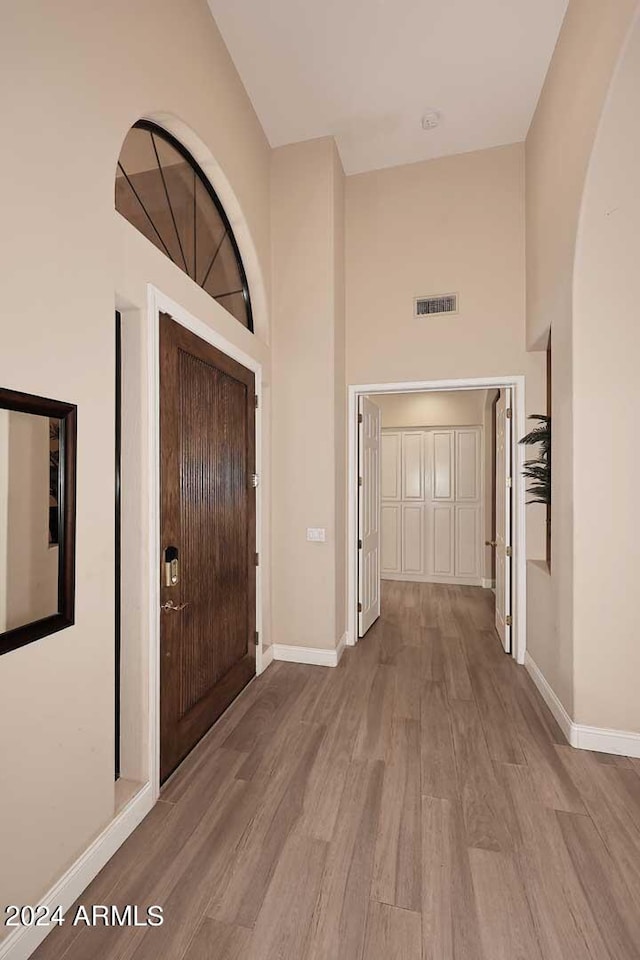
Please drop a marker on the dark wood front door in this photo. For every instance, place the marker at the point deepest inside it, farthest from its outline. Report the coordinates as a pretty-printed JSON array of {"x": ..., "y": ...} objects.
[{"x": 207, "y": 458}]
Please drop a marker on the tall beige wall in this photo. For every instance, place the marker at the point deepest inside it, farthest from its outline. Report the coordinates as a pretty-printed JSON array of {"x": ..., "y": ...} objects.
[
  {"x": 606, "y": 338},
  {"x": 455, "y": 224},
  {"x": 558, "y": 148},
  {"x": 340, "y": 399},
  {"x": 308, "y": 394},
  {"x": 75, "y": 79}
]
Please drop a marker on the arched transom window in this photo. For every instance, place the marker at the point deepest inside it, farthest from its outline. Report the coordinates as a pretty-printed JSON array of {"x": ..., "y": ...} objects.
[{"x": 162, "y": 191}]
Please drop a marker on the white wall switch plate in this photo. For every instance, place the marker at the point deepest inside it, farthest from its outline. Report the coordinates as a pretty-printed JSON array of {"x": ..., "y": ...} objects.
[{"x": 316, "y": 534}]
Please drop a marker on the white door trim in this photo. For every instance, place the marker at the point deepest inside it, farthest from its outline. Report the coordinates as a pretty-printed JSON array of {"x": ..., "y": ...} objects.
[
  {"x": 517, "y": 384},
  {"x": 369, "y": 415},
  {"x": 158, "y": 302}
]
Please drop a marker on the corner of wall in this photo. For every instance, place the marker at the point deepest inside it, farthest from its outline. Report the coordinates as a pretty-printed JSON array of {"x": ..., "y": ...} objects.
[{"x": 309, "y": 407}]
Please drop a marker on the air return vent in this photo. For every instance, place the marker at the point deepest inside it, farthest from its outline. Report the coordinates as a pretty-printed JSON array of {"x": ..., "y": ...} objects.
[{"x": 432, "y": 306}]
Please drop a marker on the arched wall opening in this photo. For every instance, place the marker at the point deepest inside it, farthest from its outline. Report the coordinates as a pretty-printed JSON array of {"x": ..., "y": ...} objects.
[
  {"x": 606, "y": 344},
  {"x": 229, "y": 200}
]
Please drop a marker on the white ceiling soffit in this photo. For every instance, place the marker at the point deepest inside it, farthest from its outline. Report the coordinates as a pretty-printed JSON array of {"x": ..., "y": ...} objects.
[{"x": 366, "y": 71}]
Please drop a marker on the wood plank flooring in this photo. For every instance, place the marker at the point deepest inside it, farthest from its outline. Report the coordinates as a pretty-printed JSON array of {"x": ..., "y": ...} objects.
[{"x": 418, "y": 802}]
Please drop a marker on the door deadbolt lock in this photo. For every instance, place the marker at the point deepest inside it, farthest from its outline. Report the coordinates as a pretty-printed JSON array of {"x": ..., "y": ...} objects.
[{"x": 171, "y": 567}]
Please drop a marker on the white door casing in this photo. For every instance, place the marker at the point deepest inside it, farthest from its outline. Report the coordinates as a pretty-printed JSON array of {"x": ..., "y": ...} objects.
[
  {"x": 516, "y": 383},
  {"x": 503, "y": 548},
  {"x": 369, "y": 420}
]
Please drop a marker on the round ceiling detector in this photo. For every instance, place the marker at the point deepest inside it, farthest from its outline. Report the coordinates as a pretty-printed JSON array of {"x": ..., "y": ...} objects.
[{"x": 430, "y": 120}]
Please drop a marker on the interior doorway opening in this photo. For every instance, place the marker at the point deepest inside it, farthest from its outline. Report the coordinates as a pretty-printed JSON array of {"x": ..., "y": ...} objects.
[{"x": 449, "y": 500}]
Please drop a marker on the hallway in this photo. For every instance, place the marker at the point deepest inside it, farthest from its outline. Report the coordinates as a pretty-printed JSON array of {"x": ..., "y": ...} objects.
[{"x": 418, "y": 801}]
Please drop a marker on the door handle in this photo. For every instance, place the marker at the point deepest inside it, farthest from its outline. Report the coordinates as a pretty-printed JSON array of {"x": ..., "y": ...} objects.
[
  {"x": 491, "y": 543},
  {"x": 174, "y": 607}
]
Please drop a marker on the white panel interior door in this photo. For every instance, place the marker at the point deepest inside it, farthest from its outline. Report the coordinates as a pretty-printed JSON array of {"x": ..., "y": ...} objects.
[
  {"x": 503, "y": 518},
  {"x": 443, "y": 540},
  {"x": 390, "y": 453},
  {"x": 442, "y": 484},
  {"x": 467, "y": 540},
  {"x": 467, "y": 464},
  {"x": 390, "y": 544},
  {"x": 368, "y": 514},
  {"x": 412, "y": 538},
  {"x": 412, "y": 465},
  {"x": 430, "y": 475}
]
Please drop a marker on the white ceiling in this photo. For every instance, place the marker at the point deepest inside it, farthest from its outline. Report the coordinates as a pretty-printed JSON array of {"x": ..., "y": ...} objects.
[{"x": 365, "y": 71}]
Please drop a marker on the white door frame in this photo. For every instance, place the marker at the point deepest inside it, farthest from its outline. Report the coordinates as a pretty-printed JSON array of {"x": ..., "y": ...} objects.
[
  {"x": 368, "y": 414},
  {"x": 157, "y": 303},
  {"x": 517, "y": 384}
]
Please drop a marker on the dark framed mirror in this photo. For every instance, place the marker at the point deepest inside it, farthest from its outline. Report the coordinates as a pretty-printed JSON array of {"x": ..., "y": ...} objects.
[{"x": 37, "y": 517}]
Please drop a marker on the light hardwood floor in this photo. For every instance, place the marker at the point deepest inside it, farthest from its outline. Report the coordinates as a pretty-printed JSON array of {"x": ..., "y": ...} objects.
[{"x": 419, "y": 801}]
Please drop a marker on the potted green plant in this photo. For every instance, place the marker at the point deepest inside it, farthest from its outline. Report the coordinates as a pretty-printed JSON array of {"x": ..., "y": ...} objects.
[{"x": 539, "y": 471}]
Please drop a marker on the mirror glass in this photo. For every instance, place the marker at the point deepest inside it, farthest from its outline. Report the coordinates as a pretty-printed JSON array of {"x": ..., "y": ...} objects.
[{"x": 30, "y": 517}]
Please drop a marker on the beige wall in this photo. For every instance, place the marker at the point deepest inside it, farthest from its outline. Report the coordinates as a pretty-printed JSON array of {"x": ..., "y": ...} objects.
[
  {"x": 456, "y": 408},
  {"x": 78, "y": 80},
  {"x": 558, "y": 148},
  {"x": 455, "y": 224},
  {"x": 308, "y": 394},
  {"x": 340, "y": 398},
  {"x": 606, "y": 338}
]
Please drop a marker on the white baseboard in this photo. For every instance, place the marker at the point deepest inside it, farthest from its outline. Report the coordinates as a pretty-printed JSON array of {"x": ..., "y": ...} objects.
[
  {"x": 624, "y": 743},
  {"x": 322, "y": 657},
  {"x": 488, "y": 584},
  {"x": 267, "y": 658},
  {"x": 422, "y": 578},
  {"x": 562, "y": 718},
  {"x": 22, "y": 942}
]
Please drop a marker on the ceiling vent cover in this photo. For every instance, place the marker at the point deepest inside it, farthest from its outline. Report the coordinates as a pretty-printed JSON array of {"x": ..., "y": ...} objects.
[{"x": 432, "y": 306}]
